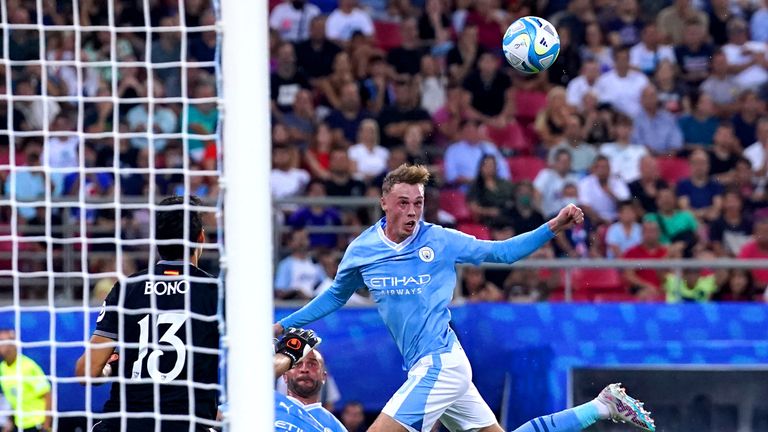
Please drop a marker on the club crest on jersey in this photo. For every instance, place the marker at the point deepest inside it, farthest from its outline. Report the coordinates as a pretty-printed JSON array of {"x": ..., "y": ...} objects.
[{"x": 426, "y": 254}]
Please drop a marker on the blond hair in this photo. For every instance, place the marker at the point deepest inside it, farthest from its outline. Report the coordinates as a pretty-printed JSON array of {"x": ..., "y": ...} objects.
[{"x": 408, "y": 174}]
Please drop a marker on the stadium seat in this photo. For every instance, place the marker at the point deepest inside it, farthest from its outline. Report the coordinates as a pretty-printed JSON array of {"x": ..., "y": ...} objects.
[
  {"x": 455, "y": 202},
  {"x": 525, "y": 167},
  {"x": 387, "y": 35},
  {"x": 600, "y": 280},
  {"x": 480, "y": 231},
  {"x": 511, "y": 138},
  {"x": 673, "y": 169},
  {"x": 528, "y": 103}
]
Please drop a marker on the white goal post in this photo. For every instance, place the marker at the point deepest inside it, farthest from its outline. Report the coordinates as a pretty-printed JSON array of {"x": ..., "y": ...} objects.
[{"x": 248, "y": 224}]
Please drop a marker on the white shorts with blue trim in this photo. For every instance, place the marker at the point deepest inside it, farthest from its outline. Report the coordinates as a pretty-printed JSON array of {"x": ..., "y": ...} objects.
[{"x": 439, "y": 387}]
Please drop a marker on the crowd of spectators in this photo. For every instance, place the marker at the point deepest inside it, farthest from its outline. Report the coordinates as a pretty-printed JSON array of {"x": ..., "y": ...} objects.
[
  {"x": 652, "y": 119},
  {"x": 103, "y": 100}
]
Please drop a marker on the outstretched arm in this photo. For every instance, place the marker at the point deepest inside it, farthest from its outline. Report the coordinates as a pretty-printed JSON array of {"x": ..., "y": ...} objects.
[
  {"x": 347, "y": 281},
  {"x": 513, "y": 249}
]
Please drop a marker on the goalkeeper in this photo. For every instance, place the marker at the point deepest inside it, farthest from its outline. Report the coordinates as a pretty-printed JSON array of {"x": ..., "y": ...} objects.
[{"x": 408, "y": 265}]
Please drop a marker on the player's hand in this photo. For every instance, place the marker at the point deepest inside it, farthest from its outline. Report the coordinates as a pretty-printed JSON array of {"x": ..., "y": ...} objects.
[
  {"x": 567, "y": 218},
  {"x": 297, "y": 343},
  {"x": 277, "y": 330}
]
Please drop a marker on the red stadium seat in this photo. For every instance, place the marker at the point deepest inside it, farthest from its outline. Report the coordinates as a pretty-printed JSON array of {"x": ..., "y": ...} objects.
[
  {"x": 673, "y": 169},
  {"x": 525, "y": 167},
  {"x": 511, "y": 137},
  {"x": 619, "y": 297},
  {"x": 528, "y": 103},
  {"x": 480, "y": 231},
  {"x": 455, "y": 202},
  {"x": 387, "y": 35},
  {"x": 601, "y": 280}
]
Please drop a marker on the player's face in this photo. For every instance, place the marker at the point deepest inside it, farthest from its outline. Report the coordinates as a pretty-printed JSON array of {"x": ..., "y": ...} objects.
[
  {"x": 403, "y": 206},
  {"x": 306, "y": 379},
  {"x": 7, "y": 343}
]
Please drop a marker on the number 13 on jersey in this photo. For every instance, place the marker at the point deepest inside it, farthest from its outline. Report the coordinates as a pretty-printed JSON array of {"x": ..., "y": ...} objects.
[{"x": 176, "y": 320}]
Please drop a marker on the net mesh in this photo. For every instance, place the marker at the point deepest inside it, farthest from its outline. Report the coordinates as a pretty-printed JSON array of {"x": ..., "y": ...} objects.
[{"x": 108, "y": 107}]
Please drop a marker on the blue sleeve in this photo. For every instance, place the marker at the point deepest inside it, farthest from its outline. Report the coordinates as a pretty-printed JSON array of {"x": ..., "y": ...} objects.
[
  {"x": 346, "y": 282},
  {"x": 449, "y": 164},
  {"x": 283, "y": 276},
  {"x": 468, "y": 249}
]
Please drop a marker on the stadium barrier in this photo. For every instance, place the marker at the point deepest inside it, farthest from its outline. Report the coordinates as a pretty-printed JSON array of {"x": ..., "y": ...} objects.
[{"x": 524, "y": 357}]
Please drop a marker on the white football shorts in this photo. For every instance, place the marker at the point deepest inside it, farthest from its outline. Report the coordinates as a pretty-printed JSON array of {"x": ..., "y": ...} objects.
[{"x": 439, "y": 386}]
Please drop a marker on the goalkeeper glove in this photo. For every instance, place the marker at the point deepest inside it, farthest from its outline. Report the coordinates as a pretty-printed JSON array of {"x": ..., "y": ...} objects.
[{"x": 297, "y": 343}]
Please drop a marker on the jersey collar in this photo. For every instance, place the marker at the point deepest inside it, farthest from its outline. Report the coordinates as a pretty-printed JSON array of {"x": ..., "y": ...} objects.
[
  {"x": 301, "y": 404},
  {"x": 396, "y": 246}
]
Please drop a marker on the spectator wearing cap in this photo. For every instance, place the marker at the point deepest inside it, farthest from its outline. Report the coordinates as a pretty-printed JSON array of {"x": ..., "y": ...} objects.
[
  {"x": 286, "y": 180},
  {"x": 286, "y": 81},
  {"x": 291, "y": 19},
  {"x": 649, "y": 52},
  {"x": 699, "y": 193},
  {"x": 600, "y": 192},
  {"x": 622, "y": 86},
  {"x": 746, "y": 59},
  {"x": 656, "y": 128},
  {"x": 488, "y": 85},
  {"x": 699, "y": 126},
  {"x": 462, "y": 158},
  {"x": 549, "y": 182},
  {"x": 694, "y": 56},
  {"x": 623, "y": 155},
  {"x": 584, "y": 83},
  {"x": 394, "y": 120},
  {"x": 346, "y": 20},
  {"x": 757, "y": 153},
  {"x": 406, "y": 58},
  {"x": 582, "y": 154},
  {"x": 745, "y": 121},
  {"x": 672, "y": 19},
  {"x": 316, "y": 54},
  {"x": 758, "y": 249},
  {"x": 345, "y": 121},
  {"x": 721, "y": 85}
]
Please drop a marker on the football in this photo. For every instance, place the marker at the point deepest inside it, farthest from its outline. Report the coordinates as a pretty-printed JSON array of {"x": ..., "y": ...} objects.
[{"x": 531, "y": 44}]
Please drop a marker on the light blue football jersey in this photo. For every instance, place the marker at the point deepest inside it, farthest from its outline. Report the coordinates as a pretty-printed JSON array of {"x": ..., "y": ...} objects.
[
  {"x": 291, "y": 416},
  {"x": 412, "y": 282},
  {"x": 322, "y": 415}
]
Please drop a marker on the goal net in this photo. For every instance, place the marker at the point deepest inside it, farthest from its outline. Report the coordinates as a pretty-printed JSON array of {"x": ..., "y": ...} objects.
[{"x": 108, "y": 107}]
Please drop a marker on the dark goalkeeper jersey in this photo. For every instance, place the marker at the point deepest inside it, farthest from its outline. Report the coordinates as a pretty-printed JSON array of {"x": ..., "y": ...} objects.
[{"x": 160, "y": 335}]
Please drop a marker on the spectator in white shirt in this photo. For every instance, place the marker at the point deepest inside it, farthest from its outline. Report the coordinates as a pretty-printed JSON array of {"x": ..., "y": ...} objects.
[
  {"x": 285, "y": 180},
  {"x": 649, "y": 52},
  {"x": 549, "y": 183},
  {"x": 584, "y": 83},
  {"x": 757, "y": 152},
  {"x": 164, "y": 121},
  {"x": 297, "y": 276},
  {"x": 625, "y": 233},
  {"x": 346, "y": 20},
  {"x": 61, "y": 151},
  {"x": 600, "y": 192},
  {"x": 624, "y": 156},
  {"x": 721, "y": 85},
  {"x": 291, "y": 19},
  {"x": 368, "y": 157},
  {"x": 746, "y": 58},
  {"x": 622, "y": 86}
]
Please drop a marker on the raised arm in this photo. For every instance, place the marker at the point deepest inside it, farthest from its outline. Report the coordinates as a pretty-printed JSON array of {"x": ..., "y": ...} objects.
[{"x": 471, "y": 250}]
